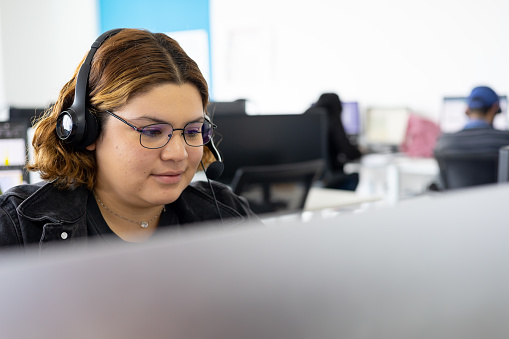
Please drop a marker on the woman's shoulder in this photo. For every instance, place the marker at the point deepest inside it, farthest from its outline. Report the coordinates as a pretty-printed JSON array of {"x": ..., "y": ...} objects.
[
  {"x": 42, "y": 196},
  {"x": 20, "y": 192}
]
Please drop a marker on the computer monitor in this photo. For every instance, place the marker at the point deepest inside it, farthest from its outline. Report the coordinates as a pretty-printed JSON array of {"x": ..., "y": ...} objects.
[
  {"x": 453, "y": 117},
  {"x": 13, "y": 140},
  {"x": 350, "y": 117},
  {"x": 385, "y": 127},
  {"x": 25, "y": 115},
  {"x": 429, "y": 268},
  {"x": 256, "y": 140}
]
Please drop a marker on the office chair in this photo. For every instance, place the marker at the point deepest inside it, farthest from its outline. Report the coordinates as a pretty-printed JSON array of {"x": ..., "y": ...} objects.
[
  {"x": 503, "y": 164},
  {"x": 464, "y": 170},
  {"x": 278, "y": 184}
]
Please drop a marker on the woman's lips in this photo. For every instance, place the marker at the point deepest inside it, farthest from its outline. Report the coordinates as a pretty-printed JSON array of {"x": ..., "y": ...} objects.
[{"x": 168, "y": 177}]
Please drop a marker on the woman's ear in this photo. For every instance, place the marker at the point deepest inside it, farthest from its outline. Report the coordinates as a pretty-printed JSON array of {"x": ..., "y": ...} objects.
[{"x": 91, "y": 147}]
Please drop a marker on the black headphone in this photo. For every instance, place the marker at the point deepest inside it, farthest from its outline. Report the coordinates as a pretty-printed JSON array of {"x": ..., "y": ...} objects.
[
  {"x": 78, "y": 128},
  {"x": 216, "y": 168}
]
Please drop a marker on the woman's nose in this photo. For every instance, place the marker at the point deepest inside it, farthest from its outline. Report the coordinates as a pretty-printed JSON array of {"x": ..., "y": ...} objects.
[{"x": 176, "y": 148}]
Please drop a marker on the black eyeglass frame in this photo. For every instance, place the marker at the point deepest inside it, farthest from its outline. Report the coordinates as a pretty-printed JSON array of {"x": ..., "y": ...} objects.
[{"x": 140, "y": 130}]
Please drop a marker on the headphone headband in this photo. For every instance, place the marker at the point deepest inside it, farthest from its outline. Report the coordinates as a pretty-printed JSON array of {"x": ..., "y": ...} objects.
[
  {"x": 76, "y": 126},
  {"x": 84, "y": 72}
]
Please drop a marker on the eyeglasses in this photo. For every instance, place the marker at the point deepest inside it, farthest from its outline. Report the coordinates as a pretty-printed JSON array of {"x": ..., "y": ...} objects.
[{"x": 155, "y": 136}]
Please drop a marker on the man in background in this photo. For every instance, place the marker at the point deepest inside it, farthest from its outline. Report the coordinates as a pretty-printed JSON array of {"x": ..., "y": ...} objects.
[{"x": 469, "y": 157}]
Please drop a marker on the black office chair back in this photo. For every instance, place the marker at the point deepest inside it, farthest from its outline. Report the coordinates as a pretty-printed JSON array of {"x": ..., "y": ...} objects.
[
  {"x": 269, "y": 178},
  {"x": 465, "y": 170}
]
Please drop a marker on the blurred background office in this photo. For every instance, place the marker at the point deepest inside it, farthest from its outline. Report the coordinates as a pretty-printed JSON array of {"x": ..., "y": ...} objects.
[{"x": 281, "y": 55}]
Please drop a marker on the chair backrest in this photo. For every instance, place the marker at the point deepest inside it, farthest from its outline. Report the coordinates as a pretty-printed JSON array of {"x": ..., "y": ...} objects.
[
  {"x": 503, "y": 164},
  {"x": 274, "y": 181},
  {"x": 464, "y": 170}
]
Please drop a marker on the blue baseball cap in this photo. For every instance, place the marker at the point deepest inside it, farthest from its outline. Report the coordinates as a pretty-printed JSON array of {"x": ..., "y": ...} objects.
[{"x": 482, "y": 97}]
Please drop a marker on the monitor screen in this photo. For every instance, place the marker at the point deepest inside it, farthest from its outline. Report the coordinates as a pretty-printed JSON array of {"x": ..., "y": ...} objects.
[
  {"x": 350, "y": 117},
  {"x": 453, "y": 117},
  {"x": 385, "y": 126},
  {"x": 13, "y": 136},
  {"x": 12, "y": 144},
  {"x": 255, "y": 140}
]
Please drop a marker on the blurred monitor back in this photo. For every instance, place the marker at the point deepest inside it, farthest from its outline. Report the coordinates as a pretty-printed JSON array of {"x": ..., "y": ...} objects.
[
  {"x": 25, "y": 115},
  {"x": 227, "y": 107},
  {"x": 385, "y": 128},
  {"x": 271, "y": 139},
  {"x": 453, "y": 117}
]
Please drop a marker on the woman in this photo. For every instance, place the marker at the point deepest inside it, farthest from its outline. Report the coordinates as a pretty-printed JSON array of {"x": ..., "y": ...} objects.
[
  {"x": 128, "y": 172},
  {"x": 341, "y": 150}
]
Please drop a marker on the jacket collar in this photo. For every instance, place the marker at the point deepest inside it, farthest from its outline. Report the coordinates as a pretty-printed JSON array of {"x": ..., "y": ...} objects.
[
  {"x": 45, "y": 202},
  {"x": 68, "y": 205}
]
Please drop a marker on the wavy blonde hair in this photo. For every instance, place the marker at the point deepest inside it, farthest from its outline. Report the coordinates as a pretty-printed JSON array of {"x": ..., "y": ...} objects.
[{"x": 127, "y": 64}]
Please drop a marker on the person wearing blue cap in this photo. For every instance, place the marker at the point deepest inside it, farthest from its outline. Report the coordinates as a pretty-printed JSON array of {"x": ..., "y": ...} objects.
[
  {"x": 478, "y": 142},
  {"x": 483, "y": 105}
]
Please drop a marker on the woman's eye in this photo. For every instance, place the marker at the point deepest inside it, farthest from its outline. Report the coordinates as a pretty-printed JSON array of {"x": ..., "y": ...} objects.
[
  {"x": 152, "y": 132},
  {"x": 193, "y": 131}
]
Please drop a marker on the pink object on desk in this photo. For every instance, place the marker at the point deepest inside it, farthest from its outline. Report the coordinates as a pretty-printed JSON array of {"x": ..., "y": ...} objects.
[{"x": 421, "y": 136}]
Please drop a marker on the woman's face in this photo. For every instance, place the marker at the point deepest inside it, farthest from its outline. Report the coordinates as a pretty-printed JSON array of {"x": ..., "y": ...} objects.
[{"x": 134, "y": 176}]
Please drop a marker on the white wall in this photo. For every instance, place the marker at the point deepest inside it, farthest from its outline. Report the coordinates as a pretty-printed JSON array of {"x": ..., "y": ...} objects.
[
  {"x": 41, "y": 43},
  {"x": 283, "y": 54}
]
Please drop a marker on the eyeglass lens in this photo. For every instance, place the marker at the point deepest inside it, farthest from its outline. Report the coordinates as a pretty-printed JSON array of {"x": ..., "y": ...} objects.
[{"x": 157, "y": 135}]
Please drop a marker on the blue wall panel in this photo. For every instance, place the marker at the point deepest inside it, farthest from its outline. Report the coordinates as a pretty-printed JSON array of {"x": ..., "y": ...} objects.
[{"x": 155, "y": 15}]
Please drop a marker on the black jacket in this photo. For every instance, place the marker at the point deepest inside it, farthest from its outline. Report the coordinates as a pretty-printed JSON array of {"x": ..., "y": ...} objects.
[{"x": 43, "y": 214}]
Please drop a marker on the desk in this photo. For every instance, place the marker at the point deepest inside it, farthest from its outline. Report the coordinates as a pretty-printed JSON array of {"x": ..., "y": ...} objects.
[
  {"x": 321, "y": 198},
  {"x": 395, "y": 175}
]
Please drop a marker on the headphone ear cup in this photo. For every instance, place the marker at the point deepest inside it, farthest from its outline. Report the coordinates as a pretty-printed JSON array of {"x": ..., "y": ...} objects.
[
  {"x": 77, "y": 129},
  {"x": 92, "y": 128},
  {"x": 66, "y": 125}
]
